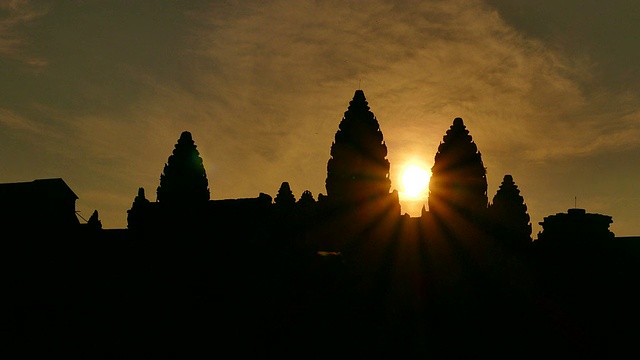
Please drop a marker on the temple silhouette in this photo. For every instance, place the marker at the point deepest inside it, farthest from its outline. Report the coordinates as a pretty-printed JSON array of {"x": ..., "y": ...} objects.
[{"x": 340, "y": 274}]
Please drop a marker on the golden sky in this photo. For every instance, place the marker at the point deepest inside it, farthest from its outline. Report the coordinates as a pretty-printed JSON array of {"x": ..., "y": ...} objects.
[{"x": 98, "y": 92}]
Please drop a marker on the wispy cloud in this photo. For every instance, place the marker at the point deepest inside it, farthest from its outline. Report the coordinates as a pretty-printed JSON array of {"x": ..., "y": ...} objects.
[
  {"x": 14, "y": 122},
  {"x": 14, "y": 15},
  {"x": 279, "y": 75},
  {"x": 422, "y": 64}
]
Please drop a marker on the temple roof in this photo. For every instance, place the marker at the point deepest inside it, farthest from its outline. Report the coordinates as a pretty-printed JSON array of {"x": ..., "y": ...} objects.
[{"x": 38, "y": 188}]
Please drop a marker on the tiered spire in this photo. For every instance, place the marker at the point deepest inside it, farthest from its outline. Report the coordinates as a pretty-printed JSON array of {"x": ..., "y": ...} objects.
[
  {"x": 358, "y": 169},
  {"x": 458, "y": 181},
  {"x": 285, "y": 197},
  {"x": 508, "y": 213},
  {"x": 184, "y": 180}
]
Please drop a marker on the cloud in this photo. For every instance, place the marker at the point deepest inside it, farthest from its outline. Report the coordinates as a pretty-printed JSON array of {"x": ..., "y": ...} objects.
[
  {"x": 421, "y": 64},
  {"x": 14, "y": 15},
  {"x": 15, "y": 122}
]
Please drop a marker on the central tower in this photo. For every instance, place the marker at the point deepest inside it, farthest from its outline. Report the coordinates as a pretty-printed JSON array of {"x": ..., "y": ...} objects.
[{"x": 358, "y": 169}]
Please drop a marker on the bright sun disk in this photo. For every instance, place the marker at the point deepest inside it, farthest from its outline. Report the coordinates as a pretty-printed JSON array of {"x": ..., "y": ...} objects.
[{"x": 414, "y": 181}]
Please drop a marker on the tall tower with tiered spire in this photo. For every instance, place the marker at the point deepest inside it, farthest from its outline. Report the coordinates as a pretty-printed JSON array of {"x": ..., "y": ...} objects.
[
  {"x": 358, "y": 169},
  {"x": 458, "y": 183},
  {"x": 184, "y": 180},
  {"x": 508, "y": 213}
]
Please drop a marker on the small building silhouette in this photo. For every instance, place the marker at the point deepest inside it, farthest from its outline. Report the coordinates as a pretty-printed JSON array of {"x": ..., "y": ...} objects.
[
  {"x": 38, "y": 205},
  {"x": 575, "y": 225}
]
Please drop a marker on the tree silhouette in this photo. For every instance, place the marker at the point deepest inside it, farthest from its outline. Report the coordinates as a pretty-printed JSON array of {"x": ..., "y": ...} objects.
[
  {"x": 508, "y": 213},
  {"x": 358, "y": 169},
  {"x": 184, "y": 180},
  {"x": 458, "y": 181}
]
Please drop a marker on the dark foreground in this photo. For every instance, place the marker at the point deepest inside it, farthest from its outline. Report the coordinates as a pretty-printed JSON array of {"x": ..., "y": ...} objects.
[{"x": 405, "y": 294}]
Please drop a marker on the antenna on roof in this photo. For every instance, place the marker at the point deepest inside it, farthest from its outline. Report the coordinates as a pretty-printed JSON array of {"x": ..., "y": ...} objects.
[
  {"x": 575, "y": 202},
  {"x": 82, "y": 217}
]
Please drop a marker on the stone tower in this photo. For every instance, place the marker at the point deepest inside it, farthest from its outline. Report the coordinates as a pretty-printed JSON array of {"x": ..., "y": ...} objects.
[
  {"x": 508, "y": 214},
  {"x": 458, "y": 185},
  {"x": 358, "y": 169},
  {"x": 184, "y": 180}
]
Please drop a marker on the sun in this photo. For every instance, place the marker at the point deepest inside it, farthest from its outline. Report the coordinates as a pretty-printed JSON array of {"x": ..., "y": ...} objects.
[{"x": 415, "y": 180}]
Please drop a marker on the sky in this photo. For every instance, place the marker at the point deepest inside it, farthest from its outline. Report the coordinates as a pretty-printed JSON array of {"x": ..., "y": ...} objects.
[{"x": 98, "y": 92}]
